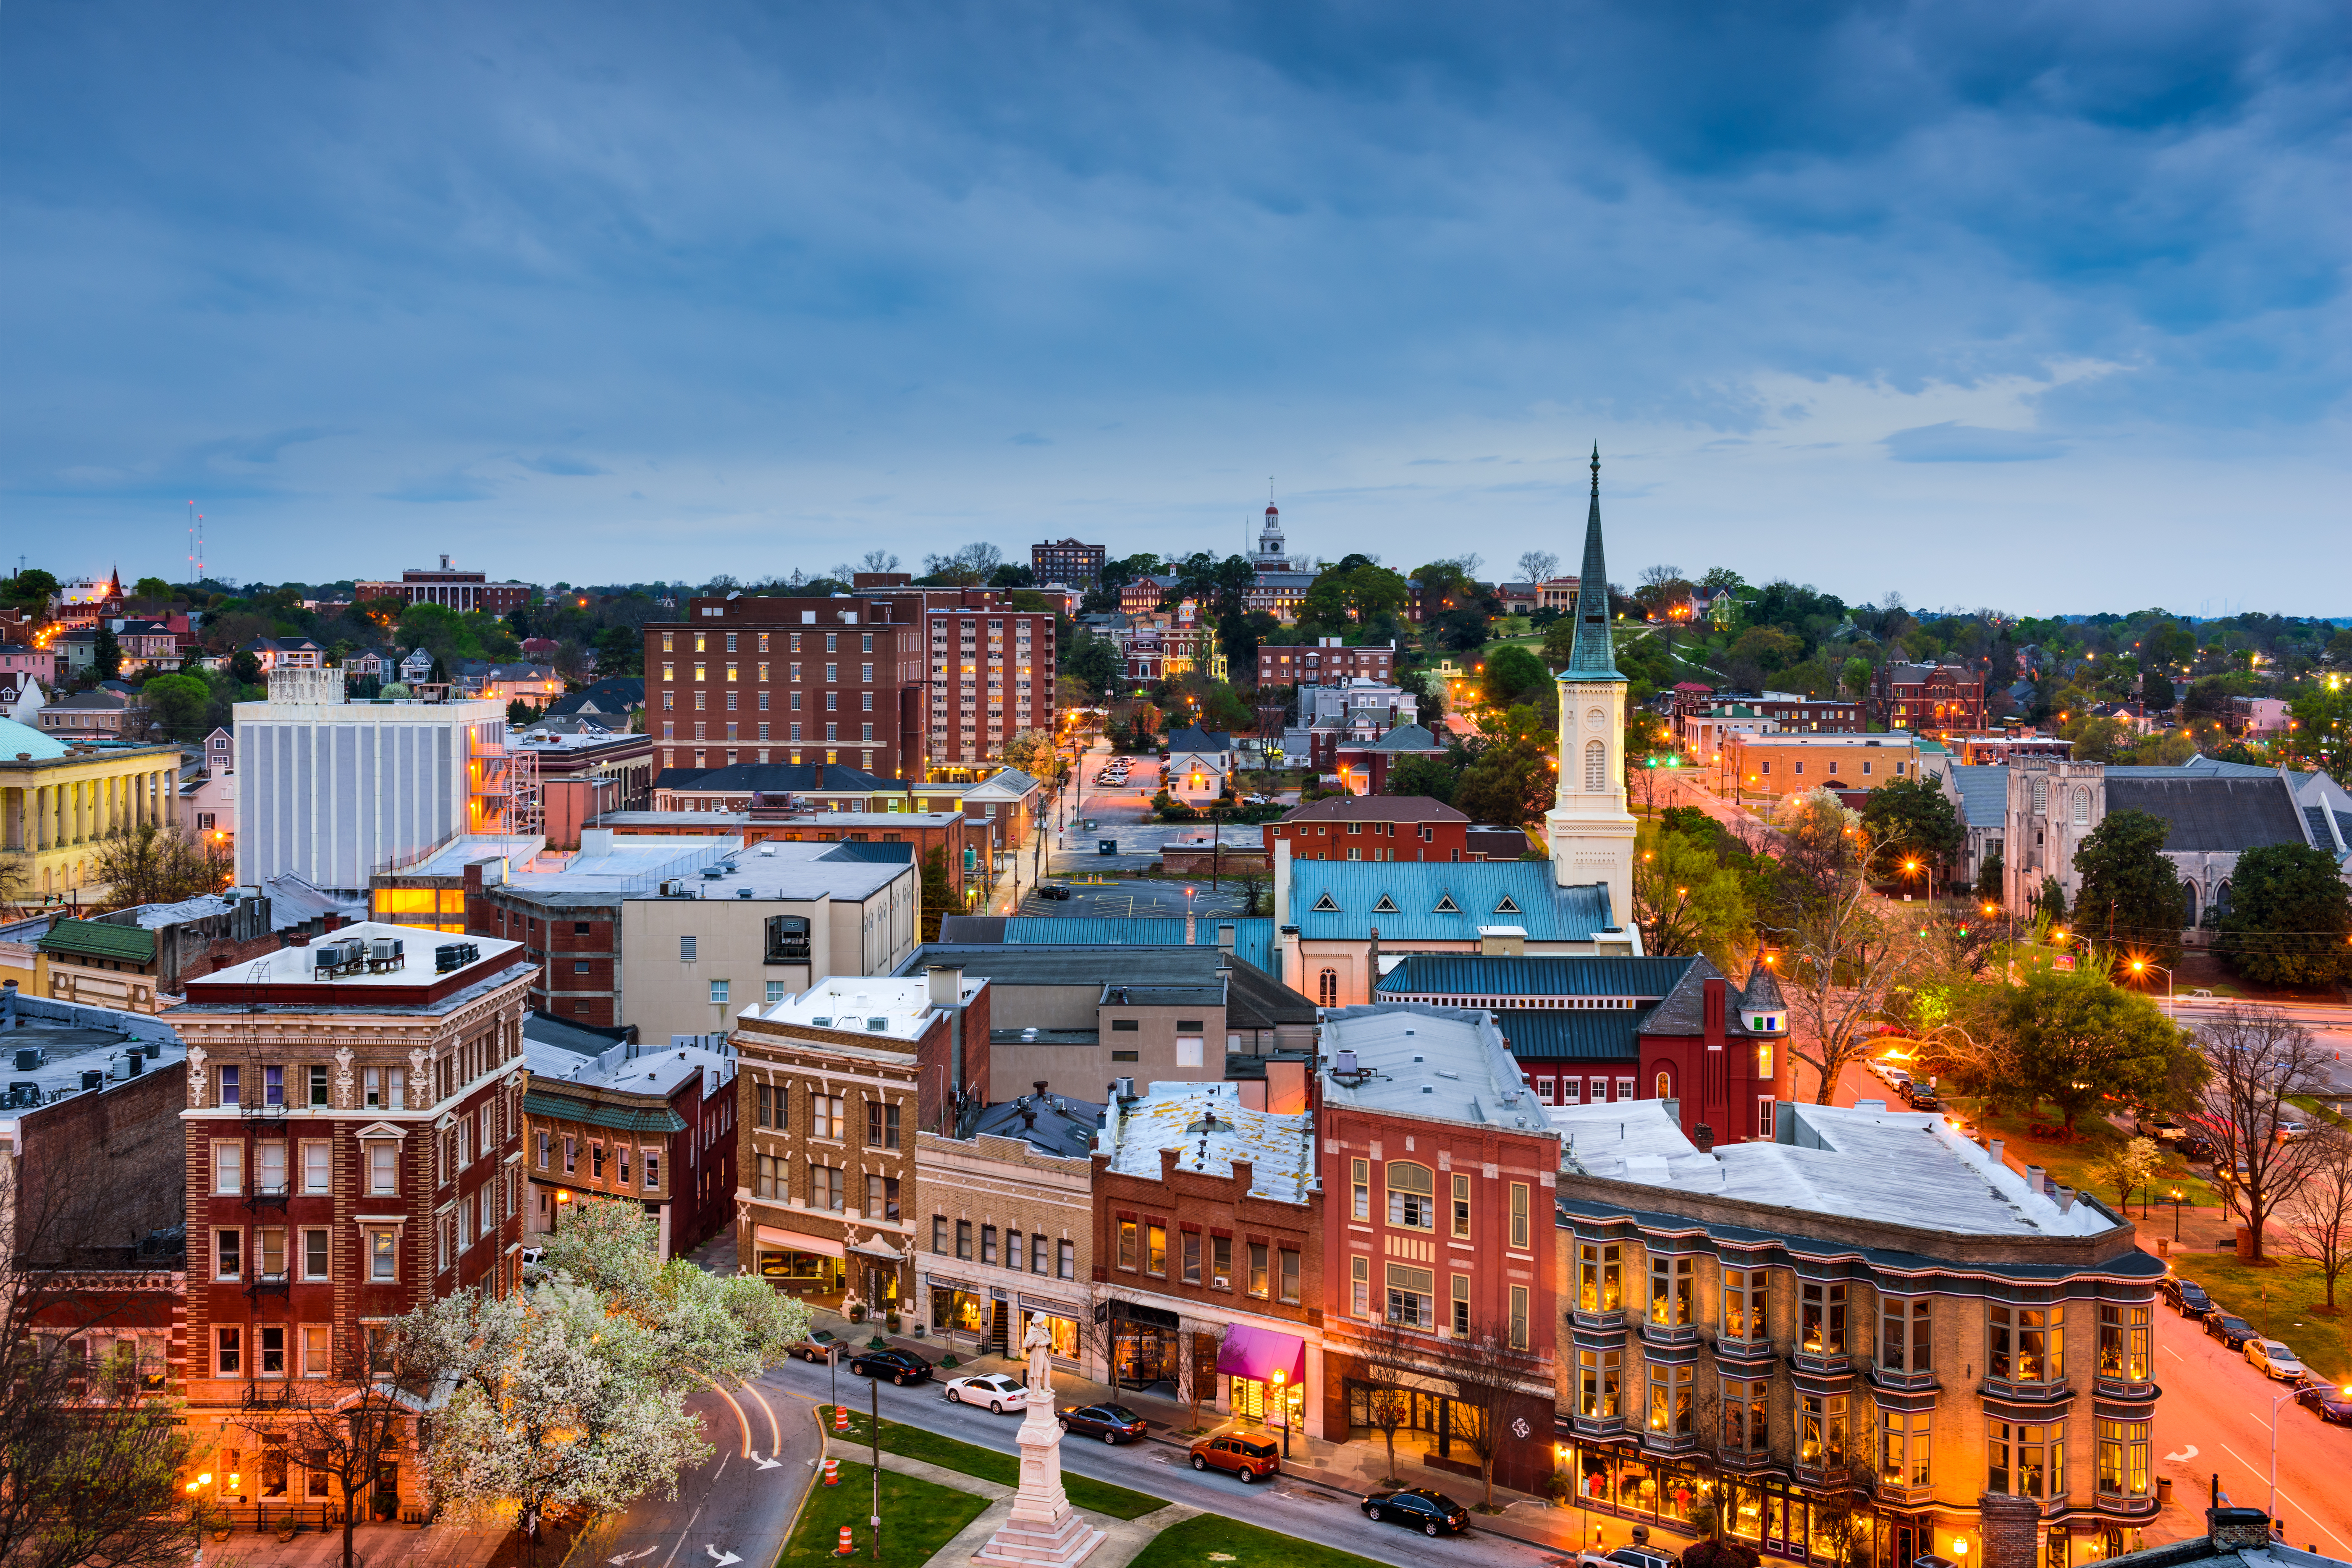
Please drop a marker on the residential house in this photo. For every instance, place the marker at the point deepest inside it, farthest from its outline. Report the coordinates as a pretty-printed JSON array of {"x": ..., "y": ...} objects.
[
  {"x": 1200, "y": 763},
  {"x": 835, "y": 1083},
  {"x": 416, "y": 668},
  {"x": 208, "y": 798},
  {"x": 1362, "y": 765},
  {"x": 286, "y": 653},
  {"x": 89, "y": 717},
  {"x": 612, "y": 700},
  {"x": 605, "y": 1117}
]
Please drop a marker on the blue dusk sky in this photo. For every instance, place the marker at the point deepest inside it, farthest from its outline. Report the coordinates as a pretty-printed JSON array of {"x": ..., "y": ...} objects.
[{"x": 2034, "y": 306}]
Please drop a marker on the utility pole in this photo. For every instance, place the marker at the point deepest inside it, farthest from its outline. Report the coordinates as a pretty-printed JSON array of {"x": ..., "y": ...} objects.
[{"x": 874, "y": 1431}]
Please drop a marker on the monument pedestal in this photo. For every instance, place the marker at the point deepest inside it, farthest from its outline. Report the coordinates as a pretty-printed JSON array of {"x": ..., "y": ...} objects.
[{"x": 1045, "y": 1528}]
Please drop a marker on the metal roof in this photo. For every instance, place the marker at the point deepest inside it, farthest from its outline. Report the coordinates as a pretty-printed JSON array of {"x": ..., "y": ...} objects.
[
  {"x": 2212, "y": 813},
  {"x": 97, "y": 938},
  {"x": 1984, "y": 794},
  {"x": 1557, "y": 975},
  {"x": 1253, "y": 938},
  {"x": 1416, "y": 901},
  {"x": 560, "y": 1107},
  {"x": 1601, "y": 1034}
]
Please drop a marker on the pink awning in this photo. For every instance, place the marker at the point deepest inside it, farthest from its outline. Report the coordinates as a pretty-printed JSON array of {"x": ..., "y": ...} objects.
[{"x": 1259, "y": 1353}]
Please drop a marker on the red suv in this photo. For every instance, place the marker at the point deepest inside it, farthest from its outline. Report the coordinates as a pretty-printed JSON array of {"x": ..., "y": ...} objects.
[{"x": 1245, "y": 1457}]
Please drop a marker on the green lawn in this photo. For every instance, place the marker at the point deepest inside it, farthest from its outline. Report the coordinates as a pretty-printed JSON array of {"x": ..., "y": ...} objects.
[
  {"x": 919, "y": 1517},
  {"x": 2280, "y": 1297},
  {"x": 914, "y": 1443},
  {"x": 1208, "y": 1539}
]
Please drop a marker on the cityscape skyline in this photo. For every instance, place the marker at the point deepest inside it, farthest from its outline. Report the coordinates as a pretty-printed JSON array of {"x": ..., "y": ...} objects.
[{"x": 488, "y": 282}]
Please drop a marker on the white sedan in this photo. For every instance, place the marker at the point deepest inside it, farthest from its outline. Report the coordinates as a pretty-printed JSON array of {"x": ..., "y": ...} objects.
[
  {"x": 2272, "y": 1359},
  {"x": 994, "y": 1389}
]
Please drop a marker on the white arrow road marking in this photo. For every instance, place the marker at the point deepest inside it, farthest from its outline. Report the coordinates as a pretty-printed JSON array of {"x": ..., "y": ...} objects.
[
  {"x": 721, "y": 1558},
  {"x": 631, "y": 1556},
  {"x": 2189, "y": 1452},
  {"x": 766, "y": 1464}
]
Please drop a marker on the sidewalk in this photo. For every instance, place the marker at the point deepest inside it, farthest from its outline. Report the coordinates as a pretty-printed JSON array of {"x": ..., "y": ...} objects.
[
  {"x": 374, "y": 1545},
  {"x": 1349, "y": 1469}
]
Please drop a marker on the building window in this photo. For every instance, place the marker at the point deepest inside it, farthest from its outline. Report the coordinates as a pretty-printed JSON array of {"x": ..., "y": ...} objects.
[
  {"x": 881, "y": 1125},
  {"x": 571, "y": 1156},
  {"x": 1821, "y": 1436},
  {"x": 1597, "y": 1374},
  {"x": 1743, "y": 1304},
  {"x": 1519, "y": 1214},
  {"x": 1257, "y": 1268},
  {"x": 1672, "y": 1280},
  {"x": 1359, "y": 1175},
  {"x": 228, "y": 1354},
  {"x": 825, "y": 1117},
  {"x": 2123, "y": 1342},
  {"x": 1326, "y": 988},
  {"x": 1288, "y": 1278},
  {"x": 963, "y": 1239},
  {"x": 2123, "y": 1458},
  {"x": 1462, "y": 1207},
  {"x": 317, "y": 1085},
  {"x": 1903, "y": 1448},
  {"x": 1744, "y": 1430},
  {"x": 988, "y": 1245},
  {"x": 2026, "y": 1460},
  {"x": 1155, "y": 1249},
  {"x": 1764, "y": 1116},
  {"x": 2028, "y": 1344},
  {"x": 718, "y": 989},
  {"x": 1360, "y": 1284},
  {"x": 1127, "y": 1245},
  {"x": 228, "y": 1252},
  {"x": 1066, "y": 1260},
  {"x": 828, "y": 1188},
  {"x": 383, "y": 1254},
  {"x": 318, "y": 1351},
  {"x": 314, "y": 1255},
  {"x": 1670, "y": 1398},
  {"x": 1410, "y": 1196},
  {"x": 1413, "y": 1296},
  {"x": 383, "y": 1168},
  {"x": 595, "y": 1159},
  {"x": 939, "y": 1235},
  {"x": 229, "y": 1170},
  {"x": 1905, "y": 1334},
  {"x": 1822, "y": 1327},
  {"x": 1191, "y": 1245},
  {"x": 1599, "y": 1287},
  {"x": 1015, "y": 1252},
  {"x": 1221, "y": 1262}
]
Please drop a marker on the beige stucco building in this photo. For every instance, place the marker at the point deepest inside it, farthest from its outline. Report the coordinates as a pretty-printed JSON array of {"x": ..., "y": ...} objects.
[{"x": 1004, "y": 1228}]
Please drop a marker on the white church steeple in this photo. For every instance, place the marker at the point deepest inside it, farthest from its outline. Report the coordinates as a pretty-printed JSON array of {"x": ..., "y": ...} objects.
[{"x": 1590, "y": 826}]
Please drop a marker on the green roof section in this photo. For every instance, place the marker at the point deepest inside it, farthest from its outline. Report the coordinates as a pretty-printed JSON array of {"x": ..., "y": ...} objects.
[
  {"x": 537, "y": 1102},
  {"x": 99, "y": 939}
]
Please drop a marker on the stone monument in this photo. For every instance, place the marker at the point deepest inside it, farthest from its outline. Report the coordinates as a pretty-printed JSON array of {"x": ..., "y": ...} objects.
[{"x": 1045, "y": 1528}]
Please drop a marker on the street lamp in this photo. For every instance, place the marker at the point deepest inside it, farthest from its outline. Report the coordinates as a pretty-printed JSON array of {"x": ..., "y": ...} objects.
[
  {"x": 1282, "y": 1378},
  {"x": 2176, "y": 1215},
  {"x": 2141, "y": 965},
  {"x": 2282, "y": 1399}
]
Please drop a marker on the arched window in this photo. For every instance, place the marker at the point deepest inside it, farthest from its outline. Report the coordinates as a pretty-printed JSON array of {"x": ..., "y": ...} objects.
[
  {"x": 2082, "y": 806},
  {"x": 1596, "y": 763},
  {"x": 2190, "y": 888},
  {"x": 1326, "y": 988},
  {"x": 1412, "y": 1195},
  {"x": 1665, "y": 1084},
  {"x": 2040, "y": 796},
  {"x": 2221, "y": 898}
]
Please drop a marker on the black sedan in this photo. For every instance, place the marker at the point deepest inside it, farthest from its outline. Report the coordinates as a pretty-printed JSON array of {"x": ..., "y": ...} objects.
[
  {"x": 1052, "y": 891},
  {"x": 1111, "y": 1423},
  {"x": 2231, "y": 1331},
  {"x": 1432, "y": 1513},
  {"x": 1921, "y": 1098},
  {"x": 2327, "y": 1403},
  {"x": 901, "y": 1367},
  {"x": 2187, "y": 1297}
]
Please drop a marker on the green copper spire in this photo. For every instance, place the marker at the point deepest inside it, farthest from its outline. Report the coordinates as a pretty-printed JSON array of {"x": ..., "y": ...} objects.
[{"x": 1592, "y": 657}]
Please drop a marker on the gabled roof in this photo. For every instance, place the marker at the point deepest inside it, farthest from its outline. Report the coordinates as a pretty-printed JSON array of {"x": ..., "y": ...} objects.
[
  {"x": 1683, "y": 1011},
  {"x": 1334, "y": 899},
  {"x": 1403, "y": 738},
  {"x": 2212, "y": 813},
  {"x": 1192, "y": 738},
  {"x": 1984, "y": 795},
  {"x": 96, "y": 939},
  {"x": 1374, "y": 808}
]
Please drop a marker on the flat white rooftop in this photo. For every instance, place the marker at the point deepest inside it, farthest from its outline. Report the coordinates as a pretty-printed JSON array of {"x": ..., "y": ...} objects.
[
  {"x": 1898, "y": 1167},
  {"x": 879, "y": 1006},
  {"x": 419, "y": 945},
  {"x": 1412, "y": 1059}
]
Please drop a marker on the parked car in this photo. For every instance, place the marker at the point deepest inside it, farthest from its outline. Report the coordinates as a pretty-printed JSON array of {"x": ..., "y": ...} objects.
[
  {"x": 2272, "y": 1359},
  {"x": 1053, "y": 890},
  {"x": 817, "y": 1345},
  {"x": 1246, "y": 1458},
  {"x": 1626, "y": 1557},
  {"x": 2195, "y": 1147},
  {"x": 1432, "y": 1513},
  {"x": 900, "y": 1367},
  {"x": 1920, "y": 1096},
  {"x": 2231, "y": 1331},
  {"x": 1111, "y": 1423},
  {"x": 1897, "y": 1075},
  {"x": 2327, "y": 1403},
  {"x": 994, "y": 1389},
  {"x": 2187, "y": 1296}
]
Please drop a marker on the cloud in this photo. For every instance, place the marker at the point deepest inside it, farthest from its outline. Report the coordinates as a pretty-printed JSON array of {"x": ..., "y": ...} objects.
[
  {"x": 1028, "y": 438},
  {"x": 455, "y": 485},
  {"x": 563, "y": 464},
  {"x": 1952, "y": 442}
]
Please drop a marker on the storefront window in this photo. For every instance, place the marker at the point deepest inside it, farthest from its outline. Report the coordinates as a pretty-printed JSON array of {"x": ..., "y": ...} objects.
[
  {"x": 1637, "y": 1489},
  {"x": 1748, "y": 1511},
  {"x": 1065, "y": 1332}
]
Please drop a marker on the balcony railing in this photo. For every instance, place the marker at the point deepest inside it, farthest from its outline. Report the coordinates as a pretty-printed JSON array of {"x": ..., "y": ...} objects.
[{"x": 277, "y": 1284}]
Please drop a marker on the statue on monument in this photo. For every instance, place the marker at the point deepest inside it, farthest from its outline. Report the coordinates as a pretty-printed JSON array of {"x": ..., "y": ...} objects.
[{"x": 1039, "y": 1342}]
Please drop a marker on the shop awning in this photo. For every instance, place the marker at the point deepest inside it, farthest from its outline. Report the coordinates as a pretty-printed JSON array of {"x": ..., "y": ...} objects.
[
  {"x": 873, "y": 1246},
  {"x": 1259, "y": 1353},
  {"x": 792, "y": 1240}
]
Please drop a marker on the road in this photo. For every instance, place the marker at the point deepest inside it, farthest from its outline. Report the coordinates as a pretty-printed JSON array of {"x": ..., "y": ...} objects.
[
  {"x": 2215, "y": 1417},
  {"x": 1290, "y": 1505},
  {"x": 2330, "y": 1025},
  {"x": 738, "y": 1505}
]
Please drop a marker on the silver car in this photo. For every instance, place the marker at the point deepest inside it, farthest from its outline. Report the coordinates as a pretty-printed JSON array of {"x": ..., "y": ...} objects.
[{"x": 2275, "y": 1360}]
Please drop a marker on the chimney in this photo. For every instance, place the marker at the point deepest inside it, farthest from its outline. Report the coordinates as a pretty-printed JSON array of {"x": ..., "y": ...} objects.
[
  {"x": 1039, "y": 1085},
  {"x": 2229, "y": 1528},
  {"x": 947, "y": 984},
  {"x": 2034, "y": 1179},
  {"x": 1704, "y": 1136},
  {"x": 1168, "y": 1158},
  {"x": 1998, "y": 1144},
  {"x": 2012, "y": 1527}
]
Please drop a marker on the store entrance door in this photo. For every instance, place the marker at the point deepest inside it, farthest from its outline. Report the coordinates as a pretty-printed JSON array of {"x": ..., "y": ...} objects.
[{"x": 999, "y": 1311}]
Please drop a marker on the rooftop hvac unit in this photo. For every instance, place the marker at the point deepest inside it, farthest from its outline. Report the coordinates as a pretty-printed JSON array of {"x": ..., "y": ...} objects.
[
  {"x": 1126, "y": 1088},
  {"x": 743, "y": 892},
  {"x": 449, "y": 957},
  {"x": 713, "y": 873},
  {"x": 93, "y": 1078},
  {"x": 27, "y": 1057},
  {"x": 24, "y": 1093},
  {"x": 133, "y": 1065},
  {"x": 878, "y": 1026},
  {"x": 386, "y": 952}
]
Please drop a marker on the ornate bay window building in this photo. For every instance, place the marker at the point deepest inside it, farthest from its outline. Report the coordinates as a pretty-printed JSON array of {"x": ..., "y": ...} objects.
[{"x": 1871, "y": 1323}]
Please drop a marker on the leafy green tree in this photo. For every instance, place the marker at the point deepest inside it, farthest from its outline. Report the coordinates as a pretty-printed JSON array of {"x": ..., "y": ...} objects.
[
  {"x": 1855, "y": 676},
  {"x": 1912, "y": 820},
  {"x": 2077, "y": 1037},
  {"x": 2052, "y": 900},
  {"x": 1513, "y": 675},
  {"x": 1769, "y": 646},
  {"x": 938, "y": 891},
  {"x": 1425, "y": 776},
  {"x": 1686, "y": 902},
  {"x": 1989, "y": 877},
  {"x": 151, "y": 588},
  {"x": 177, "y": 704},
  {"x": 2290, "y": 918},
  {"x": 32, "y": 586},
  {"x": 2322, "y": 712},
  {"x": 2131, "y": 896},
  {"x": 1463, "y": 628},
  {"x": 1559, "y": 642},
  {"x": 107, "y": 657},
  {"x": 1094, "y": 662}
]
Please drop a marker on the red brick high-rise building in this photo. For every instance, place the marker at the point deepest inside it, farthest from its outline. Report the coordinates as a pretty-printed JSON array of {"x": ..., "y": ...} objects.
[{"x": 354, "y": 1134}]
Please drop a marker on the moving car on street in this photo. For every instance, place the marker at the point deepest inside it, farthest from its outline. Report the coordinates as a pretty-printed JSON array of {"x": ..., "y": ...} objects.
[
  {"x": 994, "y": 1389},
  {"x": 2231, "y": 1331},
  {"x": 1111, "y": 1423},
  {"x": 1246, "y": 1458},
  {"x": 2272, "y": 1359},
  {"x": 901, "y": 1367},
  {"x": 1433, "y": 1513}
]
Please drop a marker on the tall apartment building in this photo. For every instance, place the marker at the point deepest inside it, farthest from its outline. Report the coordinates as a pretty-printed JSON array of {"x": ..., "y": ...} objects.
[
  {"x": 1327, "y": 663},
  {"x": 335, "y": 791},
  {"x": 893, "y": 681},
  {"x": 1067, "y": 561},
  {"x": 353, "y": 1120},
  {"x": 463, "y": 592}
]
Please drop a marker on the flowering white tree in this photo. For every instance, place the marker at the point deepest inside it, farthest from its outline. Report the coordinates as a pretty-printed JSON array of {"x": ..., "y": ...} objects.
[{"x": 570, "y": 1398}]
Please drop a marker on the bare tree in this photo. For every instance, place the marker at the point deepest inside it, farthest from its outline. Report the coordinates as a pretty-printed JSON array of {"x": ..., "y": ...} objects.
[
  {"x": 1487, "y": 1378},
  {"x": 879, "y": 560},
  {"x": 338, "y": 1428},
  {"x": 1196, "y": 1368},
  {"x": 1844, "y": 955},
  {"x": 1538, "y": 566},
  {"x": 1390, "y": 1354},
  {"x": 154, "y": 865},
  {"x": 2261, "y": 1058},
  {"x": 2315, "y": 1218}
]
